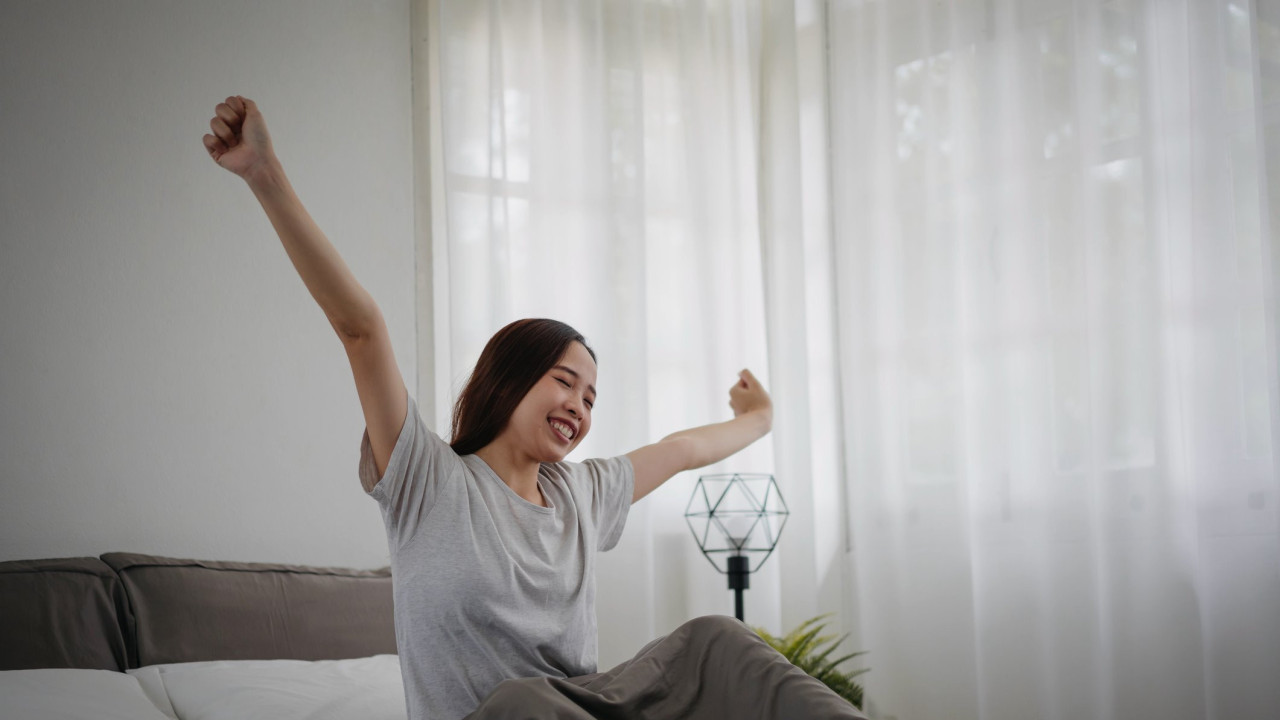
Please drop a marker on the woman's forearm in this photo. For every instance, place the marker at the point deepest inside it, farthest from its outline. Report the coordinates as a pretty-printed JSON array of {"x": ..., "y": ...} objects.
[
  {"x": 701, "y": 446},
  {"x": 350, "y": 308},
  {"x": 710, "y": 444}
]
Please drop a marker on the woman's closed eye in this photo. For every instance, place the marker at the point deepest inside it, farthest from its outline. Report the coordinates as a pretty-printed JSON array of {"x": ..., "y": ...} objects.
[{"x": 589, "y": 402}]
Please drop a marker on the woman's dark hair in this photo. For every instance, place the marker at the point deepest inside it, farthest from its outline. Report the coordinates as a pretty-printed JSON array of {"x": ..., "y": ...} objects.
[{"x": 512, "y": 362}]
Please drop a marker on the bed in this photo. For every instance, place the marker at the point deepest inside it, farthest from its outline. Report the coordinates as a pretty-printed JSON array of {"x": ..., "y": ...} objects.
[{"x": 154, "y": 638}]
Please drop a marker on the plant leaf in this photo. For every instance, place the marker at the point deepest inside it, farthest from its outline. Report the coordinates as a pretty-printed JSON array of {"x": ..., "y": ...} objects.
[
  {"x": 799, "y": 647},
  {"x": 808, "y": 649}
]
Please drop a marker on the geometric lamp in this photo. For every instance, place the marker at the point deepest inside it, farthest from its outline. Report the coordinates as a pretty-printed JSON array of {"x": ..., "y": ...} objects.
[{"x": 736, "y": 519}]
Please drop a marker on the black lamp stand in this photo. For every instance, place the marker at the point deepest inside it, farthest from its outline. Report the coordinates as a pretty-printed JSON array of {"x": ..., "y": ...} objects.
[{"x": 739, "y": 580}]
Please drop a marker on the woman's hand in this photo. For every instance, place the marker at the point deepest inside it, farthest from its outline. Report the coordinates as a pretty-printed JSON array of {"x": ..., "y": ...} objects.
[
  {"x": 239, "y": 142},
  {"x": 748, "y": 395}
]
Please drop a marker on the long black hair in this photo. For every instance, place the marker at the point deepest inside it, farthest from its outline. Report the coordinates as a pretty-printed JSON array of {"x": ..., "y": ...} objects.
[{"x": 512, "y": 362}]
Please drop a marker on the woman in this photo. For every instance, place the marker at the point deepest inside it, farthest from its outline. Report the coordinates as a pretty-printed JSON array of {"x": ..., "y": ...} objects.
[{"x": 493, "y": 539}]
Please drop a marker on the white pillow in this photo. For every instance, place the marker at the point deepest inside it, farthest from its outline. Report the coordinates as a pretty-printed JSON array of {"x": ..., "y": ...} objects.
[
  {"x": 62, "y": 694},
  {"x": 360, "y": 689}
]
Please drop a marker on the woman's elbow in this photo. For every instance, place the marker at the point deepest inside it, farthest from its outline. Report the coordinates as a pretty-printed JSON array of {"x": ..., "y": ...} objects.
[{"x": 357, "y": 326}]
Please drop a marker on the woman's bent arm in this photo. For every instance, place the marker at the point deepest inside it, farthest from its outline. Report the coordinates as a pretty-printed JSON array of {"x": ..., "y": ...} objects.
[
  {"x": 240, "y": 143},
  {"x": 701, "y": 446}
]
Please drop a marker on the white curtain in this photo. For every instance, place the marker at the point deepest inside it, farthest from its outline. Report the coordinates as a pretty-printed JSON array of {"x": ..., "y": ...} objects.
[
  {"x": 600, "y": 162},
  {"x": 1006, "y": 266},
  {"x": 1057, "y": 313}
]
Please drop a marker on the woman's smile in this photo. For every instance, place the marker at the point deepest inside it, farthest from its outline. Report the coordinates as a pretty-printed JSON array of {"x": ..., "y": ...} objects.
[{"x": 565, "y": 430}]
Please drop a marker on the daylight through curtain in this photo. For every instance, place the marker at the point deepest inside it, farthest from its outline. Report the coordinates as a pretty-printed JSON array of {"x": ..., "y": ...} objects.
[
  {"x": 1054, "y": 227},
  {"x": 600, "y": 162}
]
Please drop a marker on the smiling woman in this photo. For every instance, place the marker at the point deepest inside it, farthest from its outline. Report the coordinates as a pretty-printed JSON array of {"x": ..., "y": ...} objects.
[{"x": 494, "y": 538}]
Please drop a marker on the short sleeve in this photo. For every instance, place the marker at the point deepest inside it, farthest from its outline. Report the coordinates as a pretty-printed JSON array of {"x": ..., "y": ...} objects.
[
  {"x": 409, "y": 487},
  {"x": 613, "y": 484}
]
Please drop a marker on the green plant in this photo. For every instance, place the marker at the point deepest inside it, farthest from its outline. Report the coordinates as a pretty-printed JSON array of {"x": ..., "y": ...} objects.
[{"x": 808, "y": 649}]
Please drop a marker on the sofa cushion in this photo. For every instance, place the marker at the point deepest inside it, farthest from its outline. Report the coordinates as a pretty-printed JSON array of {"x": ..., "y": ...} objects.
[
  {"x": 196, "y": 610},
  {"x": 61, "y": 613}
]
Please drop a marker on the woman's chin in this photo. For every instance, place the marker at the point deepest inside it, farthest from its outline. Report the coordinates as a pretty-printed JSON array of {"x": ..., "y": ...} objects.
[{"x": 557, "y": 454}]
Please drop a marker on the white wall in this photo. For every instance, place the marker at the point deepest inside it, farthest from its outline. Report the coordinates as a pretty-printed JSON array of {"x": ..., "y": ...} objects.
[{"x": 167, "y": 385}]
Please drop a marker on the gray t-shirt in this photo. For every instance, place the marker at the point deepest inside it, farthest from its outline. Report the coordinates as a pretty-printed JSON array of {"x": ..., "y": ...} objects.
[{"x": 487, "y": 585}]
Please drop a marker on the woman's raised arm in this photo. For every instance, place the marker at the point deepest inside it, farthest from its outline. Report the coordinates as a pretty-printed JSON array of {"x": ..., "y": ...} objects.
[
  {"x": 240, "y": 143},
  {"x": 701, "y": 446}
]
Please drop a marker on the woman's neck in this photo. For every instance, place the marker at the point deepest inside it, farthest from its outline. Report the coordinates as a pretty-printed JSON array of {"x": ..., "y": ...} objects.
[{"x": 519, "y": 473}]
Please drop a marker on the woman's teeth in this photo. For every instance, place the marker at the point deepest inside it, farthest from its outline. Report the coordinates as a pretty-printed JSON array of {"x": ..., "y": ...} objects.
[{"x": 563, "y": 429}]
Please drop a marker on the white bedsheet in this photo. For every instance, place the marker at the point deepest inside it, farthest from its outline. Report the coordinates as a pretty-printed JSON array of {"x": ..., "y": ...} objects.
[
  {"x": 360, "y": 689},
  {"x": 58, "y": 694}
]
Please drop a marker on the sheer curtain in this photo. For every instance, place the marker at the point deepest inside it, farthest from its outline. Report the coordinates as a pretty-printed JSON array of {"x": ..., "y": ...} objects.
[
  {"x": 600, "y": 162},
  {"x": 1057, "y": 312},
  {"x": 1006, "y": 266}
]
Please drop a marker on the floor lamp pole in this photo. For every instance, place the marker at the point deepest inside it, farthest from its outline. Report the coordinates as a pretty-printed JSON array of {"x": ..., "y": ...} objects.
[{"x": 739, "y": 580}]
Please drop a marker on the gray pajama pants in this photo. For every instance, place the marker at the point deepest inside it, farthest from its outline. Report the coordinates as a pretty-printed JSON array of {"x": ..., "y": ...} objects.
[{"x": 710, "y": 668}]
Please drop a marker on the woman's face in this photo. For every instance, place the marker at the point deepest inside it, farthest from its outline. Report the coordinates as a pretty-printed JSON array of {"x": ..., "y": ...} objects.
[{"x": 555, "y": 414}]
